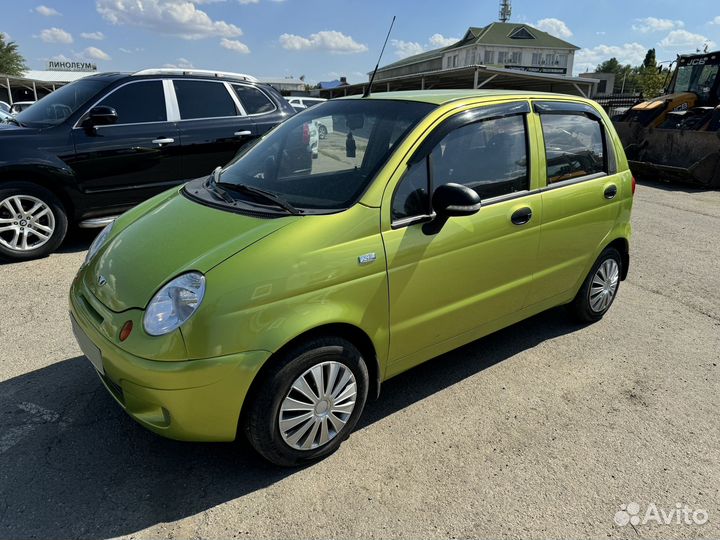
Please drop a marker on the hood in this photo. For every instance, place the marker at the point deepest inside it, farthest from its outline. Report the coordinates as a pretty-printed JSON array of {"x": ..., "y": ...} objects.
[{"x": 171, "y": 238}]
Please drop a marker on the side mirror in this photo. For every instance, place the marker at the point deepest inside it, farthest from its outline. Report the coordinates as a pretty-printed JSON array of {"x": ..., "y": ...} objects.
[
  {"x": 451, "y": 200},
  {"x": 101, "y": 116}
]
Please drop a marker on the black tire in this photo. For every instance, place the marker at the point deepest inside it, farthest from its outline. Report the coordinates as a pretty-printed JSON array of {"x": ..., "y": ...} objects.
[
  {"x": 261, "y": 420},
  {"x": 581, "y": 308},
  {"x": 56, "y": 208},
  {"x": 322, "y": 131}
]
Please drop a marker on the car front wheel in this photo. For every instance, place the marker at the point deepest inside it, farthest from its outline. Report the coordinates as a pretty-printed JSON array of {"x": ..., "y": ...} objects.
[
  {"x": 33, "y": 221},
  {"x": 308, "y": 402}
]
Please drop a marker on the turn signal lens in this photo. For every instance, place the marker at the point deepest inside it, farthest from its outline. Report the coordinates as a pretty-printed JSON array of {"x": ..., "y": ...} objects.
[
  {"x": 125, "y": 330},
  {"x": 633, "y": 185}
]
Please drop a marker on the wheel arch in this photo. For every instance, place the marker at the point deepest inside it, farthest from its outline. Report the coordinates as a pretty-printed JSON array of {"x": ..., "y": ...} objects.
[
  {"x": 54, "y": 182},
  {"x": 351, "y": 333},
  {"x": 623, "y": 246}
]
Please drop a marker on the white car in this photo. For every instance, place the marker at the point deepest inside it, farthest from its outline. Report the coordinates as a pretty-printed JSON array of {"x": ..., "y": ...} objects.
[
  {"x": 4, "y": 107},
  {"x": 19, "y": 106},
  {"x": 324, "y": 124}
]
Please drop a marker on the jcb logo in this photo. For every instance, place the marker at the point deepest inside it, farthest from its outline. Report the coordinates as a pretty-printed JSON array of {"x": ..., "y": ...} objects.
[{"x": 697, "y": 61}]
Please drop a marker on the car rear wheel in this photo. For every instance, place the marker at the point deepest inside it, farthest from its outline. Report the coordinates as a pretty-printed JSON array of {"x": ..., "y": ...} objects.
[
  {"x": 33, "y": 221},
  {"x": 308, "y": 403},
  {"x": 600, "y": 287}
]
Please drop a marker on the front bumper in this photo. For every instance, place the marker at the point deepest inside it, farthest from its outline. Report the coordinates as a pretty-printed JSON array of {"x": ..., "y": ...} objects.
[{"x": 191, "y": 400}]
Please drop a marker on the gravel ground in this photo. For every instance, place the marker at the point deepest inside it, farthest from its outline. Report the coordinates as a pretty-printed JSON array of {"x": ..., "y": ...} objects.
[{"x": 542, "y": 430}]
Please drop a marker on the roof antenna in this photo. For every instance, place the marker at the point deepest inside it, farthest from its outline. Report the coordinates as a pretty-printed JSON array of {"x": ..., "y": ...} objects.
[{"x": 372, "y": 77}]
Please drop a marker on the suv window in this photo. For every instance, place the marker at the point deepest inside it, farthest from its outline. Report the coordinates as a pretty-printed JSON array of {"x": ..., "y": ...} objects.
[
  {"x": 203, "y": 99},
  {"x": 138, "y": 102},
  {"x": 489, "y": 156},
  {"x": 253, "y": 100},
  {"x": 574, "y": 146}
]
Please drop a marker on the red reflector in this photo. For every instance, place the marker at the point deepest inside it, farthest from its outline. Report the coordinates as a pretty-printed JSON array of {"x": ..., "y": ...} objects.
[
  {"x": 633, "y": 185},
  {"x": 125, "y": 330}
]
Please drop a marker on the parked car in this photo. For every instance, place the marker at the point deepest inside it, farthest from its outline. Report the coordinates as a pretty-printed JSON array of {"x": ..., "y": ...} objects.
[
  {"x": 4, "y": 107},
  {"x": 19, "y": 106},
  {"x": 268, "y": 302},
  {"x": 324, "y": 125},
  {"x": 4, "y": 117},
  {"x": 96, "y": 147}
]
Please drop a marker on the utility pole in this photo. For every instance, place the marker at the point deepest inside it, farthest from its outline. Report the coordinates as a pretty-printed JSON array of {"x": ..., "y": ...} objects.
[{"x": 505, "y": 10}]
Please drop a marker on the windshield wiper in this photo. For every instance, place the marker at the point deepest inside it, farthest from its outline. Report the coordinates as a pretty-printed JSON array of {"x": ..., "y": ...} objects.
[
  {"x": 213, "y": 185},
  {"x": 268, "y": 195}
]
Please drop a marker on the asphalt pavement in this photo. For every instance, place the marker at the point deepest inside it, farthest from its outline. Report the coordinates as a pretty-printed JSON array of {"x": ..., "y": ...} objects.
[{"x": 545, "y": 429}]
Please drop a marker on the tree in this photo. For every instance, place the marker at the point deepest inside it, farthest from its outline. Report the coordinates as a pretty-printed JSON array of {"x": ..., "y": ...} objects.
[
  {"x": 624, "y": 75},
  {"x": 650, "y": 60},
  {"x": 11, "y": 61}
]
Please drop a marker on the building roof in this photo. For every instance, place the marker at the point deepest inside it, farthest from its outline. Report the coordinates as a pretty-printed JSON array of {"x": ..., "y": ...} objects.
[
  {"x": 440, "y": 97},
  {"x": 497, "y": 33},
  {"x": 331, "y": 84}
]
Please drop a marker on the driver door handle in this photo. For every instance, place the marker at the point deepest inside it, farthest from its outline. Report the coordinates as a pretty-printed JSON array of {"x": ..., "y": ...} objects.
[
  {"x": 163, "y": 140},
  {"x": 244, "y": 133},
  {"x": 521, "y": 216}
]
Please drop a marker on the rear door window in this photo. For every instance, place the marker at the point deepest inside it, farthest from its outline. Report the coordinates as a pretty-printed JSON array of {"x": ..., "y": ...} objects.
[
  {"x": 138, "y": 102},
  {"x": 574, "y": 146},
  {"x": 203, "y": 99},
  {"x": 253, "y": 100}
]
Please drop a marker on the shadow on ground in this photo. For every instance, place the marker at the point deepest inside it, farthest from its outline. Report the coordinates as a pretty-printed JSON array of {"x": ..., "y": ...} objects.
[
  {"x": 73, "y": 465},
  {"x": 674, "y": 186}
]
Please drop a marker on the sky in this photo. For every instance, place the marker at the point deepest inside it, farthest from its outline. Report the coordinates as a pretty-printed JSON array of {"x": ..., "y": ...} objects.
[{"x": 325, "y": 39}]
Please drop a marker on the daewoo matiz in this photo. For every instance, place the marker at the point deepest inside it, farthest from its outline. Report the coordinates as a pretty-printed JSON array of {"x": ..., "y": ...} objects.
[{"x": 272, "y": 297}]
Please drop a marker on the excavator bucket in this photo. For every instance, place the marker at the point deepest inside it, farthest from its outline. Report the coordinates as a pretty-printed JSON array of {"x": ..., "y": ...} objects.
[{"x": 674, "y": 155}]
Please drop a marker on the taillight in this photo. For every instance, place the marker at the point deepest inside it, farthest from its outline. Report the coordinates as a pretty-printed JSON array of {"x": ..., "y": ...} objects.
[
  {"x": 633, "y": 185},
  {"x": 306, "y": 133}
]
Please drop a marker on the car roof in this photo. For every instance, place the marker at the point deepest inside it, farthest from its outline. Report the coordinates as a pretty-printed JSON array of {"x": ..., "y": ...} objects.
[{"x": 440, "y": 97}]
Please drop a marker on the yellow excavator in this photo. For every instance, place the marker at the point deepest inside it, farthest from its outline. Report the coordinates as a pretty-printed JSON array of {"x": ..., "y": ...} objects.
[{"x": 676, "y": 137}]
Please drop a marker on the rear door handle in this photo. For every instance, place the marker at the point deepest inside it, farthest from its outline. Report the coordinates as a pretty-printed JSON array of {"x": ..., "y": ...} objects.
[
  {"x": 163, "y": 140},
  {"x": 243, "y": 133},
  {"x": 521, "y": 216},
  {"x": 610, "y": 191}
]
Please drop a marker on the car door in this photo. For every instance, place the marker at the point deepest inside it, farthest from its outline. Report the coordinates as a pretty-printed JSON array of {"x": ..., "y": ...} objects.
[
  {"x": 213, "y": 125},
  {"x": 580, "y": 197},
  {"x": 258, "y": 106},
  {"x": 137, "y": 156},
  {"x": 445, "y": 287}
]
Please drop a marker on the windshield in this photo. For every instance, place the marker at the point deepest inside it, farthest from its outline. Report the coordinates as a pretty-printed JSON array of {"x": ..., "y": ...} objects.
[
  {"x": 324, "y": 157},
  {"x": 698, "y": 78},
  {"x": 58, "y": 105}
]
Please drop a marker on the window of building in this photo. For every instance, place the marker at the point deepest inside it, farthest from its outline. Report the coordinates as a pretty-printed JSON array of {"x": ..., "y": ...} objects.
[
  {"x": 536, "y": 59},
  {"x": 503, "y": 57},
  {"x": 489, "y": 57},
  {"x": 455, "y": 60},
  {"x": 516, "y": 57},
  {"x": 562, "y": 60},
  {"x": 549, "y": 59},
  {"x": 521, "y": 33},
  {"x": 203, "y": 99},
  {"x": 138, "y": 102},
  {"x": 574, "y": 146},
  {"x": 255, "y": 102}
]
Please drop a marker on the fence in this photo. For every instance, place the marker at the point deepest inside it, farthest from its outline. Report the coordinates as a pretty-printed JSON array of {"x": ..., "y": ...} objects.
[{"x": 618, "y": 103}]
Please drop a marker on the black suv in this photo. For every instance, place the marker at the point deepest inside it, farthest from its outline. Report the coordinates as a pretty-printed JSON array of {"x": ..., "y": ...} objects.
[{"x": 96, "y": 147}]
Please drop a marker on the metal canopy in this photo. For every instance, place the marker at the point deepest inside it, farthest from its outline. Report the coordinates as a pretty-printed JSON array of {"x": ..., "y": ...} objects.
[{"x": 477, "y": 76}]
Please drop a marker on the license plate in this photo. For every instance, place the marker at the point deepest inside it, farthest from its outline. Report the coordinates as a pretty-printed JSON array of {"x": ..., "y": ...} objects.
[{"x": 89, "y": 349}]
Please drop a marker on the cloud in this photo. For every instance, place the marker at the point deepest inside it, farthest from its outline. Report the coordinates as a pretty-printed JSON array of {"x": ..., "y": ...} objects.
[
  {"x": 234, "y": 45},
  {"x": 98, "y": 36},
  {"x": 180, "y": 18},
  {"x": 248, "y": 1},
  {"x": 6, "y": 37},
  {"x": 55, "y": 35},
  {"x": 46, "y": 11},
  {"x": 716, "y": 20},
  {"x": 95, "y": 54},
  {"x": 683, "y": 38},
  {"x": 182, "y": 63},
  {"x": 131, "y": 51},
  {"x": 653, "y": 24},
  {"x": 438, "y": 40},
  {"x": 325, "y": 40},
  {"x": 403, "y": 49},
  {"x": 554, "y": 27},
  {"x": 628, "y": 53}
]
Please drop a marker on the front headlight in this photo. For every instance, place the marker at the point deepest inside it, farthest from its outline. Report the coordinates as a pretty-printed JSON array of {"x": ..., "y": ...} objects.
[
  {"x": 174, "y": 303},
  {"x": 100, "y": 239}
]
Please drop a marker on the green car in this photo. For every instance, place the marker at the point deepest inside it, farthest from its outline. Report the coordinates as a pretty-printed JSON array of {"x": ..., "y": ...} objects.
[{"x": 274, "y": 296}]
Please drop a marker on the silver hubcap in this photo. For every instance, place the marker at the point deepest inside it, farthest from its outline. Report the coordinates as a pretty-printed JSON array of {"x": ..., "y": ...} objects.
[
  {"x": 604, "y": 285},
  {"x": 318, "y": 405},
  {"x": 26, "y": 222}
]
